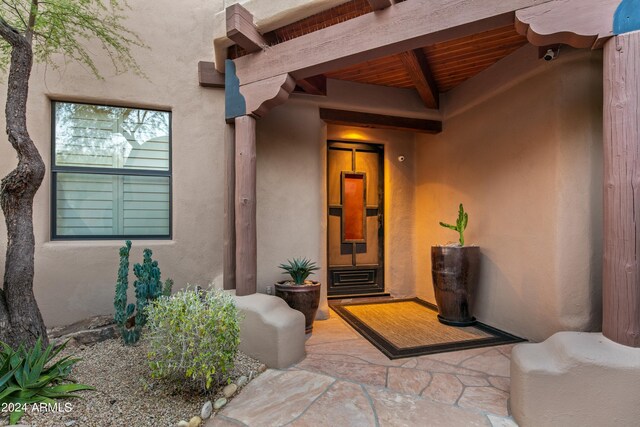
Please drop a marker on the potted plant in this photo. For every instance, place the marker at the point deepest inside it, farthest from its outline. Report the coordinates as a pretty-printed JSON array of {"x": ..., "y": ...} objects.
[
  {"x": 454, "y": 269},
  {"x": 301, "y": 294}
]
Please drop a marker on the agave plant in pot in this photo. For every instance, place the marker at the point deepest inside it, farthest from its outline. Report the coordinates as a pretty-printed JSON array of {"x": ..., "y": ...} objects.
[
  {"x": 454, "y": 269},
  {"x": 301, "y": 294}
]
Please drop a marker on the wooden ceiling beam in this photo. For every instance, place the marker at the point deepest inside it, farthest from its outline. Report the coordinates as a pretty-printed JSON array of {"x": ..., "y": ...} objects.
[
  {"x": 577, "y": 23},
  {"x": 379, "y": 121},
  {"x": 379, "y": 4},
  {"x": 418, "y": 68},
  {"x": 208, "y": 76},
  {"x": 316, "y": 85},
  {"x": 241, "y": 29},
  {"x": 405, "y": 26}
]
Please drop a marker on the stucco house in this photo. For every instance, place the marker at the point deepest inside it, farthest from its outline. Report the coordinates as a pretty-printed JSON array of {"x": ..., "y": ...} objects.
[{"x": 224, "y": 160}]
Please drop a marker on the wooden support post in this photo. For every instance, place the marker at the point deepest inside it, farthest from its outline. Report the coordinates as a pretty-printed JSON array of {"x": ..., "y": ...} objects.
[
  {"x": 229, "y": 255},
  {"x": 245, "y": 204},
  {"x": 621, "y": 281}
]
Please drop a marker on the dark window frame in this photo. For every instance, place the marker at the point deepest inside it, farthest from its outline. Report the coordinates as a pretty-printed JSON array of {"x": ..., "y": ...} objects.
[{"x": 55, "y": 169}]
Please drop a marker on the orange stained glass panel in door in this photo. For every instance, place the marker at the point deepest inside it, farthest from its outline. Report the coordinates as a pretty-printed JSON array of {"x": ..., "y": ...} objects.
[{"x": 353, "y": 205}]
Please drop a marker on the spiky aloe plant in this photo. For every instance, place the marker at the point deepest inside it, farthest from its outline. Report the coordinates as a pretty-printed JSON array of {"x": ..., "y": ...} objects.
[
  {"x": 461, "y": 223},
  {"x": 31, "y": 377},
  {"x": 299, "y": 269}
]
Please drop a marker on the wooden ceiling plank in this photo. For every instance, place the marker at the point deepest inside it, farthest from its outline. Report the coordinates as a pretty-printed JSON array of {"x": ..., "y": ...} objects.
[
  {"x": 379, "y": 121},
  {"x": 454, "y": 62},
  {"x": 379, "y": 4},
  {"x": 493, "y": 34},
  {"x": 241, "y": 29},
  {"x": 442, "y": 54},
  {"x": 464, "y": 66},
  {"x": 386, "y": 79},
  {"x": 418, "y": 68},
  {"x": 371, "y": 73}
]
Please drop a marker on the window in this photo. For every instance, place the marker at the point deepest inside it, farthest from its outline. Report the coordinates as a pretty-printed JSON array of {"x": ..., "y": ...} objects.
[{"x": 111, "y": 172}]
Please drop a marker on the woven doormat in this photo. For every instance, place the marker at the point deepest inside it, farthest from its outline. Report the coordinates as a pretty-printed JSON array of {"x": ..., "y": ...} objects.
[{"x": 410, "y": 327}]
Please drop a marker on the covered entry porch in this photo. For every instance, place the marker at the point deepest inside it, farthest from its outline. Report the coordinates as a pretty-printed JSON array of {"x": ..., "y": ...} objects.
[{"x": 537, "y": 279}]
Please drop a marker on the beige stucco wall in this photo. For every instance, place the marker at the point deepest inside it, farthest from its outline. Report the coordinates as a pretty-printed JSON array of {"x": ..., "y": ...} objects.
[
  {"x": 291, "y": 182},
  {"x": 522, "y": 150},
  {"x": 76, "y": 279},
  {"x": 526, "y": 163}
]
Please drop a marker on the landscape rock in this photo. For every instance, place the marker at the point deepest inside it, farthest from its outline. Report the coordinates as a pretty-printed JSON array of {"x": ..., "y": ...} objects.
[
  {"x": 207, "y": 408},
  {"x": 195, "y": 422},
  {"x": 182, "y": 423},
  {"x": 220, "y": 403},
  {"x": 85, "y": 332},
  {"x": 229, "y": 390},
  {"x": 262, "y": 368},
  {"x": 242, "y": 381}
]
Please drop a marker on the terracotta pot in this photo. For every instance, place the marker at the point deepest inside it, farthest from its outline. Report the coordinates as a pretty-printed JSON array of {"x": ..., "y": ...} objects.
[
  {"x": 455, "y": 279},
  {"x": 304, "y": 298}
]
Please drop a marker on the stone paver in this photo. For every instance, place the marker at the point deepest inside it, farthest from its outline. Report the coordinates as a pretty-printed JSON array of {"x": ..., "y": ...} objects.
[
  {"x": 408, "y": 381},
  {"x": 345, "y": 381},
  {"x": 344, "y": 404},
  {"x": 492, "y": 362},
  {"x": 487, "y": 399},
  {"x": 277, "y": 397},
  {"x": 444, "y": 388}
]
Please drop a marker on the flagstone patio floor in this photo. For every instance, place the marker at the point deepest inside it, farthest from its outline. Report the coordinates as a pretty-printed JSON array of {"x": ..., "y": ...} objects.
[{"x": 346, "y": 381}]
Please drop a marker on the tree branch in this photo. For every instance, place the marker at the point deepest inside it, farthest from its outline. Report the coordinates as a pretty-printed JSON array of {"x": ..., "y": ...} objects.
[
  {"x": 33, "y": 13},
  {"x": 10, "y": 34}
]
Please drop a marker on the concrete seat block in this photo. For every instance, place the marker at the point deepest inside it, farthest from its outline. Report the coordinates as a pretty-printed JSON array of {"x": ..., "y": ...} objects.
[
  {"x": 270, "y": 330},
  {"x": 575, "y": 379}
]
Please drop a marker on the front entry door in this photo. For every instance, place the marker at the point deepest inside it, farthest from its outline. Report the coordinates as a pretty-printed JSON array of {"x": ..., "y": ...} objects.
[{"x": 356, "y": 235}]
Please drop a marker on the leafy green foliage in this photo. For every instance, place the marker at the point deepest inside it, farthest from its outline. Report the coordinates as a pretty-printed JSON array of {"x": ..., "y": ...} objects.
[
  {"x": 148, "y": 287},
  {"x": 194, "y": 335},
  {"x": 31, "y": 377},
  {"x": 461, "y": 223},
  {"x": 63, "y": 26},
  {"x": 299, "y": 269}
]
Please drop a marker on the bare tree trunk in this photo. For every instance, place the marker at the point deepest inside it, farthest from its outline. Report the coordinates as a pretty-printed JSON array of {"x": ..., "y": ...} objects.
[{"x": 20, "y": 318}]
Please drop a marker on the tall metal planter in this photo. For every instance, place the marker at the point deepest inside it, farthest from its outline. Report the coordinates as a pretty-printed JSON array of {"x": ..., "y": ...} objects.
[{"x": 455, "y": 272}]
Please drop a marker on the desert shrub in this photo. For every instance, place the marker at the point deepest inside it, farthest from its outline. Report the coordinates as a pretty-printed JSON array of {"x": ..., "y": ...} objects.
[
  {"x": 30, "y": 377},
  {"x": 193, "y": 334}
]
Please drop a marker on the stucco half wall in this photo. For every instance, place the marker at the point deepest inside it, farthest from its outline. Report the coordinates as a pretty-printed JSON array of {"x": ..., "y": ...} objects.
[{"x": 523, "y": 152}]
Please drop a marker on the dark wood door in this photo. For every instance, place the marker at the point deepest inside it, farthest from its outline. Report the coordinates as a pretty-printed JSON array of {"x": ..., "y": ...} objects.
[{"x": 355, "y": 226}]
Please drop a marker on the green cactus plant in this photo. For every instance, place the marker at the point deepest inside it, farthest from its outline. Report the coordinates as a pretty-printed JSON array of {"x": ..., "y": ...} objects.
[
  {"x": 148, "y": 287},
  {"x": 122, "y": 311},
  {"x": 461, "y": 224}
]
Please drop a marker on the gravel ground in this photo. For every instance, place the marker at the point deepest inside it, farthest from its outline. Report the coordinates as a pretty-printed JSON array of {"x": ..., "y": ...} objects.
[{"x": 125, "y": 394}]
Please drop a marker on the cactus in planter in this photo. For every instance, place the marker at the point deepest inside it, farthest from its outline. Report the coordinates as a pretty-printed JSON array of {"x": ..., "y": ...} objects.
[
  {"x": 148, "y": 287},
  {"x": 461, "y": 224}
]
